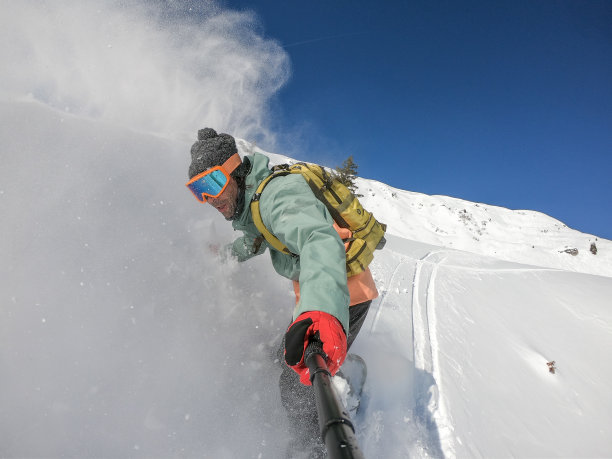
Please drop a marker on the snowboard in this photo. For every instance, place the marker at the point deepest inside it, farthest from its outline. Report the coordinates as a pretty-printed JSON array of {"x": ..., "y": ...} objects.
[{"x": 349, "y": 382}]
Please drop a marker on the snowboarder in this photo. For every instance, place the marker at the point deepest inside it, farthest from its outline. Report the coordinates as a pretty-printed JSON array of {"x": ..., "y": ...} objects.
[{"x": 327, "y": 303}]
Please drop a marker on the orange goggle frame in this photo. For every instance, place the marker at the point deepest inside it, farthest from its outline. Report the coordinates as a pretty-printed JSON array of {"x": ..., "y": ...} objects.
[{"x": 212, "y": 182}]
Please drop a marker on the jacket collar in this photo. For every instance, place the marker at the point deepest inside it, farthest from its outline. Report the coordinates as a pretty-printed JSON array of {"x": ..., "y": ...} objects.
[{"x": 259, "y": 170}]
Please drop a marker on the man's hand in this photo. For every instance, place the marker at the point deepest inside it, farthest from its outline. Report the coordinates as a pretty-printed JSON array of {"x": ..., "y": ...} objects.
[{"x": 299, "y": 335}]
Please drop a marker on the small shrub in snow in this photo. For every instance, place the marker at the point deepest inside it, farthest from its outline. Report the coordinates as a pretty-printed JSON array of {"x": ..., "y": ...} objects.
[
  {"x": 593, "y": 248},
  {"x": 573, "y": 252},
  {"x": 551, "y": 366}
]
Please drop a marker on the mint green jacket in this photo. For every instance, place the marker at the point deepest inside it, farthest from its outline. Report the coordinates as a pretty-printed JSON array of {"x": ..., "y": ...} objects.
[{"x": 294, "y": 215}]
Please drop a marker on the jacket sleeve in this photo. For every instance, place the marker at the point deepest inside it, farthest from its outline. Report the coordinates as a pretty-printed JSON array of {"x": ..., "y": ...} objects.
[
  {"x": 245, "y": 247},
  {"x": 302, "y": 222}
]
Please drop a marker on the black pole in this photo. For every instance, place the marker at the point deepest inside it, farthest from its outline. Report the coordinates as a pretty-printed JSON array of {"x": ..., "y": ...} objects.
[{"x": 337, "y": 430}]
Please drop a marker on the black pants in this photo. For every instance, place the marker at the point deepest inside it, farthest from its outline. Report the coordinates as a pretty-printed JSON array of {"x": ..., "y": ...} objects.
[{"x": 298, "y": 399}]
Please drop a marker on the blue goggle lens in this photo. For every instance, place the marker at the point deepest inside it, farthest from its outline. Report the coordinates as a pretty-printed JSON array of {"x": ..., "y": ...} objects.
[{"x": 210, "y": 185}]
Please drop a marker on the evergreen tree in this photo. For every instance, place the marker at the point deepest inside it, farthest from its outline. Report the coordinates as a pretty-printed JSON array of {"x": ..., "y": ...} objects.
[{"x": 347, "y": 173}]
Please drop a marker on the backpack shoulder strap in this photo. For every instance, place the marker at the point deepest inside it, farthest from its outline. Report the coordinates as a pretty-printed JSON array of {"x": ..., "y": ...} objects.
[{"x": 256, "y": 213}]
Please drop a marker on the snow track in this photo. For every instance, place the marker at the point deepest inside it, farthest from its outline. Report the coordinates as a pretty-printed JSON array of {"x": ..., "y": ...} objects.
[
  {"x": 403, "y": 331},
  {"x": 386, "y": 345},
  {"x": 428, "y": 385},
  {"x": 421, "y": 291}
]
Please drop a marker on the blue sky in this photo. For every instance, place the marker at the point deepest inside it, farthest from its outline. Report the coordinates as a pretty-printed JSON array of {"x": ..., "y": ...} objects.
[{"x": 506, "y": 103}]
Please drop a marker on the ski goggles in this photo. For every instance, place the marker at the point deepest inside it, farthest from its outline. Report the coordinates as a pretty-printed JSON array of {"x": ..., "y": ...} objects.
[{"x": 212, "y": 182}]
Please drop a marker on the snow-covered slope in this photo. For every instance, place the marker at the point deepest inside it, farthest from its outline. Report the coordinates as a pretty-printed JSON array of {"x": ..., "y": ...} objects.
[
  {"x": 522, "y": 236},
  {"x": 460, "y": 349},
  {"x": 121, "y": 335}
]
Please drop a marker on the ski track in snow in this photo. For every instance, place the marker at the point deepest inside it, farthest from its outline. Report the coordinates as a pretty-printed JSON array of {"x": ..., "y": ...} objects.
[
  {"x": 429, "y": 412},
  {"x": 429, "y": 406},
  {"x": 429, "y": 403}
]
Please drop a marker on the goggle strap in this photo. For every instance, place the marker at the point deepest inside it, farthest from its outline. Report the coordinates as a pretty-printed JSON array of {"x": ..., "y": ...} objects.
[{"x": 232, "y": 163}]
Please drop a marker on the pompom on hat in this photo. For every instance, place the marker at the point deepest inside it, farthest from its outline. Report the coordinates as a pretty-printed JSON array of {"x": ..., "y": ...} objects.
[{"x": 210, "y": 150}]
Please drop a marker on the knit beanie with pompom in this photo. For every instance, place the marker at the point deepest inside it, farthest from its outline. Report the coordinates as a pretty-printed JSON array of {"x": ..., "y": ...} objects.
[{"x": 210, "y": 150}]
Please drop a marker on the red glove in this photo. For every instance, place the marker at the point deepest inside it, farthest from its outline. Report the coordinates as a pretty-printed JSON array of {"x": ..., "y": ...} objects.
[{"x": 302, "y": 330}]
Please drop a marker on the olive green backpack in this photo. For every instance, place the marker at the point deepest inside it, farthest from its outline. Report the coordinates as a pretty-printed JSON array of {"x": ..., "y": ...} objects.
[{"x": 344, "y": 207}]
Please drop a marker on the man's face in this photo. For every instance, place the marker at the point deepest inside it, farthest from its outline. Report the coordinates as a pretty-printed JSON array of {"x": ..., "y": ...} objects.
[{"x": 226, "y": 202}]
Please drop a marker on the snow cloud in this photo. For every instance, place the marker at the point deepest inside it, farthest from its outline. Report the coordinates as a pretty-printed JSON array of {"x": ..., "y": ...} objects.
[
  {"x": 161, "y": 67},
  {"x": 134, "y": 340},
  {"x": 121, "y": 335}
]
